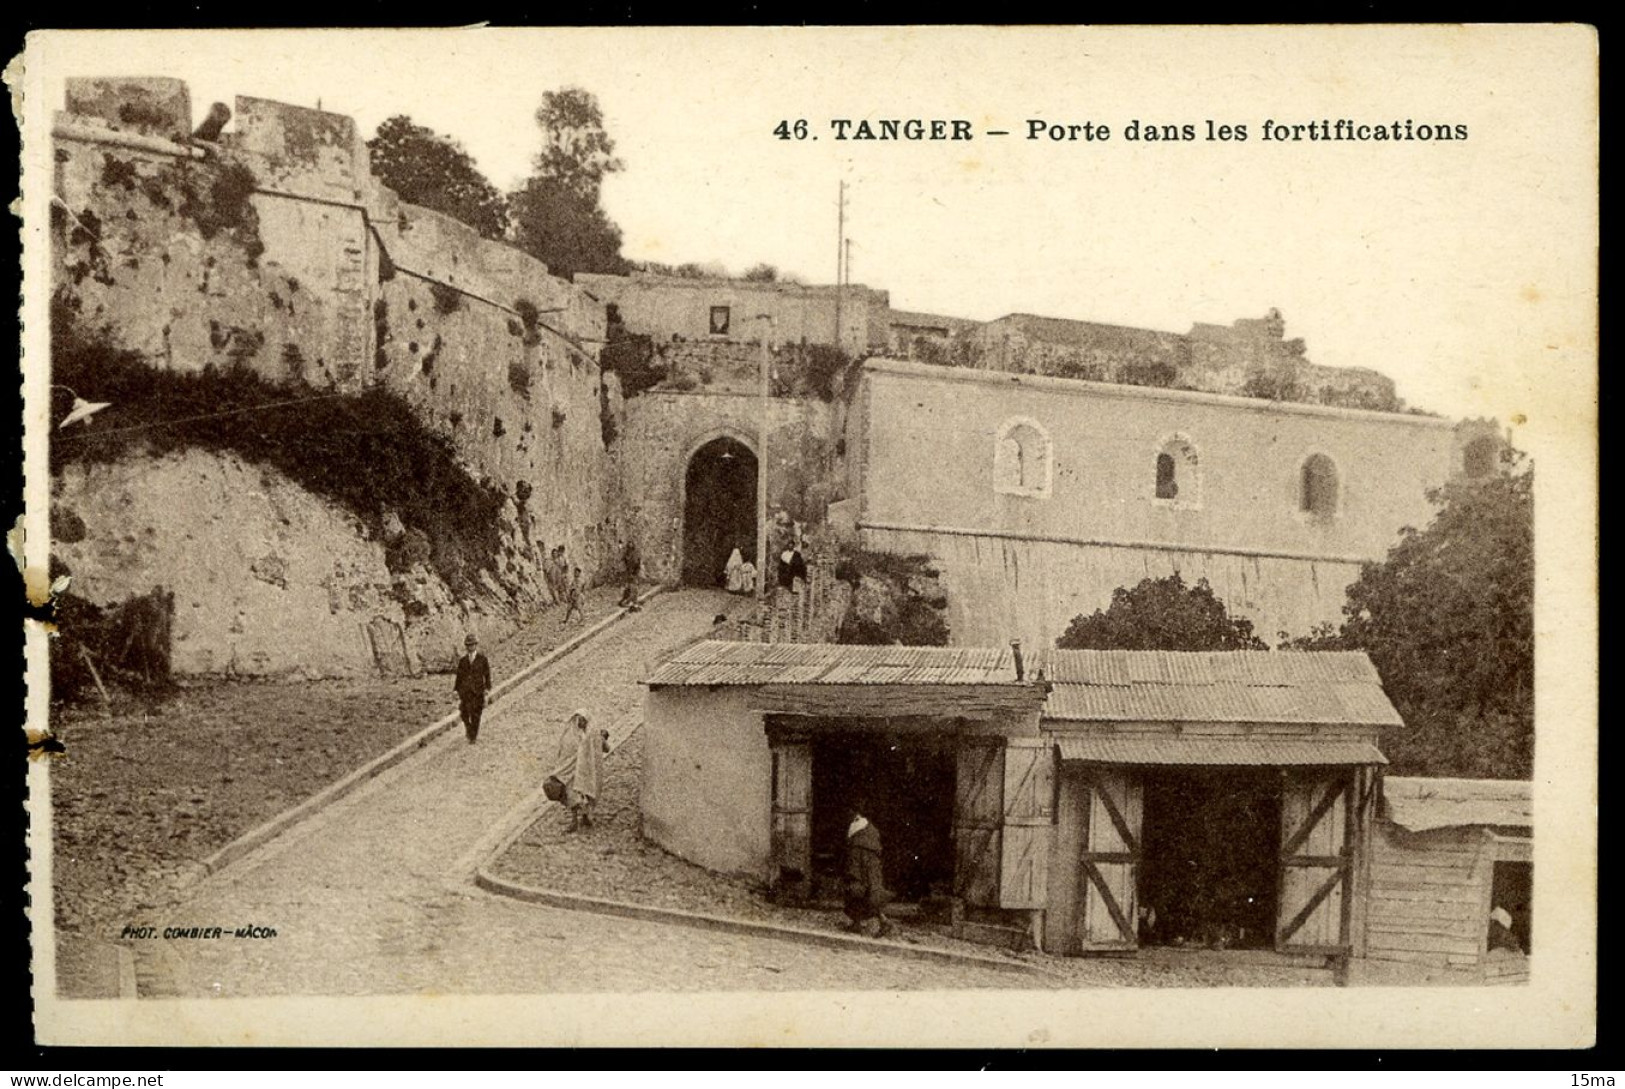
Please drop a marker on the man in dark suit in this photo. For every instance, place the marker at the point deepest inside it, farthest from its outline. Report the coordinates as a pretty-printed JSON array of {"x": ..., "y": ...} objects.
[{"x": 473, "y": 685}]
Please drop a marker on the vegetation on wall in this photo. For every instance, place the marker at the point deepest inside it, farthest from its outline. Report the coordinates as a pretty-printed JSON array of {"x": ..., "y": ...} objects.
[
  {"x": 434, "y": 171},
  {"x": 631, "y": 358},
  {"x": 1448, "y": 620},
  {"x": 1161, "y": 614},
  {"x": 365, "y": 451},
  {"x": 447, "y": 299},
  {"x": 896, "y": 599}
]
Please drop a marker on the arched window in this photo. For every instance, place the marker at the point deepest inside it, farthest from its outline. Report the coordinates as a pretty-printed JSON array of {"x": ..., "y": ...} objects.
[
  {"x": 1178, "y": 482},
  {"x": 1318, "y": 486},
  {"x": 1022, "y": 459},
  {"x": 1478, "y": 460},
  {"x": 1167, "y": 477}
]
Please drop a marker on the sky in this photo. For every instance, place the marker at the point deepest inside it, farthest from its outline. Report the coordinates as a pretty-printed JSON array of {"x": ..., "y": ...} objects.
[{"x": 1464, "y": 269}]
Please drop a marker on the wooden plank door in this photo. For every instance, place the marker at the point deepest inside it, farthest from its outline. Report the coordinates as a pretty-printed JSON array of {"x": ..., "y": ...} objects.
[
  {"x": 1029, "y": 816},
  {"x": 1317, "y": 825},
  {"x": 978, "y": 823},
  {"x": 792, "y": 811},
  {"x": 1111, "y": 859}
]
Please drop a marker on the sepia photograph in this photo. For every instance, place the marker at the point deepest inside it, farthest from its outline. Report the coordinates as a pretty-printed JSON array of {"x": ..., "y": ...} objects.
[{"x": 929, "y": 536}]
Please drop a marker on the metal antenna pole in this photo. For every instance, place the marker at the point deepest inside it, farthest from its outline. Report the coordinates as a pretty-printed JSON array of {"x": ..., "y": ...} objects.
[
  {"x": 766, "y": 327},
  {"x": 840, "y": 262}
]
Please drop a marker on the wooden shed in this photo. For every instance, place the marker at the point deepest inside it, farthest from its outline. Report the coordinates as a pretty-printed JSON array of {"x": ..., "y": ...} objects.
[
  {"x": 1212, "y": 800},
  {"x": 1446, "y": 853},
  {"x": 1098, "y": 801},
  {"x": 754, "y": 751}
]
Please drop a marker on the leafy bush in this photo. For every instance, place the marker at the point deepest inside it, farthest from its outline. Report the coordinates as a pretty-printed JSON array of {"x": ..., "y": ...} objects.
[
  {"x": 1448, "y": 620},
  {"x": 364, "y": 451},
  {"x": 127, "y": 644},
  {"x": 1161, "y": 614},
  {"x": 631, "y": 357}
]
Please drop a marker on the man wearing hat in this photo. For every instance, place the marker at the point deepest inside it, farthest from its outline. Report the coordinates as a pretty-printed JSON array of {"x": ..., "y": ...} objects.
[{"x": 473, "y": 684}]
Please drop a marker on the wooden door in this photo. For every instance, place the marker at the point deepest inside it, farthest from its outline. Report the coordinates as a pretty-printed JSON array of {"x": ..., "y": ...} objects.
[
  {"x": 1114, "y": 808},
  {"x": 1317, "y": 849},
  {"x": 792, "y": 811},
  {"x": 1029, "y": 816},
  {"x": 978, "y": 823}
]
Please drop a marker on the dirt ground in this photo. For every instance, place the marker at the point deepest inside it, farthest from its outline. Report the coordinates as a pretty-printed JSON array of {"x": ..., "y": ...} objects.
[
  {"x": 613, "y": 861},
  {"x": 145, "y": 791}
]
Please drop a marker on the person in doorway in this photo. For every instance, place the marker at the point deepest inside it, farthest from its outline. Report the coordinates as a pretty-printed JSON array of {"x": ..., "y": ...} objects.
[
  {"x": 747, "y": 578},
  {"x": 798, "y": 570},
  {"x": 731, "y": 573},
  {"x": 572, "y": 599},
  {"x": 1501, "y": 935},
  {"x": 581, "y": 767},
  {"x": 472, "y": 687},
  {"x": 866, "y": 895}
]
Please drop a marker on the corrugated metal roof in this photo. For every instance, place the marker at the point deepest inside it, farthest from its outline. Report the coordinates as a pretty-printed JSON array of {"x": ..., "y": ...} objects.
[
  {"x": 1425, "y": 804},
  {"x": 1259, "y": 751},
  {"x": 720, "y": 663},
  {"x": 1308, "y": 688}
]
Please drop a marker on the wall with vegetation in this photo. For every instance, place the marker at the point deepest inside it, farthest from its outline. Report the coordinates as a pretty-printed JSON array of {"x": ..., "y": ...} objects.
[{"x": 271, "y": 260}]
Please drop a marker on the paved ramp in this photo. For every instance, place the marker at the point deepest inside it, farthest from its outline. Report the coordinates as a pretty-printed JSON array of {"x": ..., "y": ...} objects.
[{"x": 368, "y": 897}]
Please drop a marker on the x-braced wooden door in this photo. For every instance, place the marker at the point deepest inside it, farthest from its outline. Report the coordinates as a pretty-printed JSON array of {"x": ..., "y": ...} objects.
[
  {"x": 1111, "y": 859},
  {"x": 1318, "y": 825}
]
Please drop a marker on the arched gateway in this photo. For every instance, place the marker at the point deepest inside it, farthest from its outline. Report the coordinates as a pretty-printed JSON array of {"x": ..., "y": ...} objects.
[{"x": 719, "y": 509}]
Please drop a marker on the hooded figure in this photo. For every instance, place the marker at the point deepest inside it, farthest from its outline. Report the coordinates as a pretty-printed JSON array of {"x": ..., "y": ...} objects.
[
  {"x": 866, "y": 893},
  {"x": 581, "y": 767},
  {"x": 731, "y": 573}
]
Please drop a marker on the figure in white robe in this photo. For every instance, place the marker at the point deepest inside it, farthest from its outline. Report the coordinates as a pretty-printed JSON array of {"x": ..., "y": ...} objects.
[
  {"x": 731, "y": 573},
  {"x": 581, "y": 767}
]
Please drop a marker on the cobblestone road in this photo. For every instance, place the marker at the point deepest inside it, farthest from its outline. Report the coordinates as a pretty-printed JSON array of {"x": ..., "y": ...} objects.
[{"x": 371, "y": 896}]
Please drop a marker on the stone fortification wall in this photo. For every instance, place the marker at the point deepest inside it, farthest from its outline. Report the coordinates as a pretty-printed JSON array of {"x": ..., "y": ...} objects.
[
  {"x": 665, "y": 429},
  {"x": 271, "y": 247},
  {"x": 923, "y": 445},
  {"x": 678, "y": 308},
  {"x": 1249, "y": 358}
]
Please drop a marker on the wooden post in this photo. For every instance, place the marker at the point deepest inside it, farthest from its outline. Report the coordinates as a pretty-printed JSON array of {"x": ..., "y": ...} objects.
[{"x": 107, "y": 701}]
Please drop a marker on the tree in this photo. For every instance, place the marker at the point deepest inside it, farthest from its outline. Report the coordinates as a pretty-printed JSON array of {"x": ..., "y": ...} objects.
[
  {"x": 576, "y": 151},
  {"x": 434, "y": 171},
  {"x": 762, "y": 272},
  {"x": 557, "y": 213},
  {"x": 1161, "y": 614},
  {"x": 1448, "y": 620},
  {"x": 565, "y": 230}
]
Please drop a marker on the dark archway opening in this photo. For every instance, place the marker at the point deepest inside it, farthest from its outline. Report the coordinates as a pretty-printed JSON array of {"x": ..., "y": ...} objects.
[
  {"x": 719, "y": 510},
  {"x": 1210, "y": 864},
  {"x": 906, "y": 789}
]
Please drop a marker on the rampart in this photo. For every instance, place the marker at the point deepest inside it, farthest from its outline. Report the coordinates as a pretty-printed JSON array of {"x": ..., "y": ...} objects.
[{"x": 270, "y": 246}]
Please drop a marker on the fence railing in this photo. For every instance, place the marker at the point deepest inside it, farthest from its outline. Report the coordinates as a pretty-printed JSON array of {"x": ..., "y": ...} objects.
[{"x": 812, "y": 616}]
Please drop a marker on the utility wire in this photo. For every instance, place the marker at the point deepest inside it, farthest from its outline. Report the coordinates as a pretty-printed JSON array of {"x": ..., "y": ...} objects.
[{"x": 193, "y": 419}]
